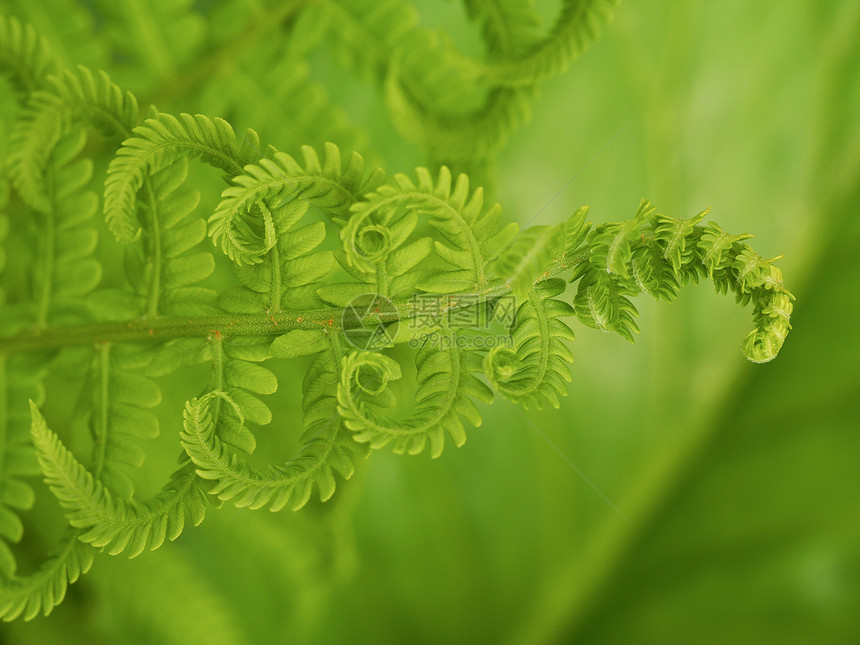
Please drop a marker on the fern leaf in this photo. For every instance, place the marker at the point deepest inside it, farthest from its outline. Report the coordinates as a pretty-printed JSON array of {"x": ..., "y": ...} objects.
[
  {"x": 602, "y": 301},
  {"x": 66, "y": 270},
  {"x": 577, "y": 26},
  {"x": 657, "y": 254},
  {"x": 534, "y": 371},
  {"x": 537, "y": 250},
  {"x": 110, "y": 522},
  {"x": 245, "y": 486},
  {"x": 43, "y": 590},
  {"x": 18, "y": 382},
  {"x": 446, "y": 388},
  {"x": 70, "y": 99},
  {"x": 119, "y": 415},
  {"x": 673, "y": 235},
  {"x": 377, "y": 250},
  {"x": 24, "y": 57},
  {"x": 166, "y": 266},
  {"x": 156, "y": 144},
  {"x": 509, "y": 26},
  {"x": 287, "y": 277},
  {"x": 269, "y": 184},
  {"x": 469, "y": 235}
]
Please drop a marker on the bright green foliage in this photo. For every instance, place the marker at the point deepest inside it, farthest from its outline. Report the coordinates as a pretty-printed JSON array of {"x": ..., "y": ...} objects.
[{"x": 303, "y": 241}]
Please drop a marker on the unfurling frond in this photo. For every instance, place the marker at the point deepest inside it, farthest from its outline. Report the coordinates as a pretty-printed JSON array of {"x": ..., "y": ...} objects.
[
  {"x": 468, "y": 233},
  {"x": 156, "y": 144},
  {"x": 657, "y": 254},
  {"x": 104, "y": 520},
  {"x": 577, "y": 26},
  {"x": 243, "y": 225},
  {"x": 446, "y": 389},
  {"x": 534, "y": 371}
]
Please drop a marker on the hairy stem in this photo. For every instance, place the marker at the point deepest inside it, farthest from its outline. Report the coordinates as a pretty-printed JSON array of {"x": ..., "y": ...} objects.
[{"x": 227, "y": 326}]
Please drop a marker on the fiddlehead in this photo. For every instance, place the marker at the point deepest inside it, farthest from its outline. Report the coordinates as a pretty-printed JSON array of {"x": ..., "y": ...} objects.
[{"x": 157, "y": 143}]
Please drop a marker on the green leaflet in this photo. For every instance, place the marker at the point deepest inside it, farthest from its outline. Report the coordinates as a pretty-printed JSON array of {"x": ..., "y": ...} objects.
[
  {"x": 166, "y": 266},
  {"x": 43, "y": 590},
  {"x": 66, "y": 241},
  {"x": 18, "y": 383}
]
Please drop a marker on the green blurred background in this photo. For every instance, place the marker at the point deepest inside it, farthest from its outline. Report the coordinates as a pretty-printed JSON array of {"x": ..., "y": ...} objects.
[{"x": 680, "y": 494}]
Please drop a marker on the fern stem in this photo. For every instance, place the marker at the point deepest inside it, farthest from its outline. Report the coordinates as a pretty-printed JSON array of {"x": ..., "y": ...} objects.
[
  {"x": 101, "y": 425},
  {"x": 275, "y": 292},
  {"x": 48, "y": 248},
  {"x": 4, "y": 411},
  {"x": 227, "y": 326},
  {"x": 155, "y": 252}
]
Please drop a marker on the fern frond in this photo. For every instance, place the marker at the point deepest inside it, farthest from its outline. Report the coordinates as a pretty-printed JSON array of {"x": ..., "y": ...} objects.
[
  {"x": 106, "y": 521},
  {"x": 611, "y": 245},
  {"x": 377, "y": 253},
  {"x": 509, "y": 27},
  {"x": 66, "y": 270},
  {"x": 152, "y": 39},
  {"x": 70, "y": 99},
  {"x": 577, "y": 26},
  {"x": 165, "y": 268},
  {"x": 288, "y": 276},
  {"x": 213, "y": 422},
  {"x": 236, "y": 481},
  {"x": 27, "y": 596},
  {"x": 656, "y": 254},
  {"x": 119, "y": 415},
  {"x": 25, "y": 58},
  {"x": 458, "y": 137},
  {"x": 535, "y": 371},
  {"x": 602, "y": 301},
  {"x": 469, "y": 232},
  {"x": 19, "y": 382},
  {"x": 156, "y": 144},
  {"x": 243, "y": 225},
  {"x": 537, "y": 250},
  {"x": 446, "y": 389}
]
